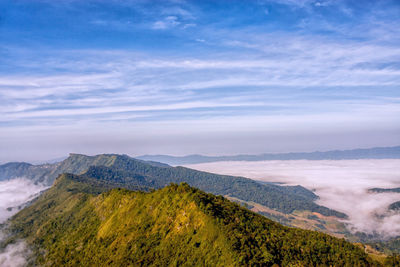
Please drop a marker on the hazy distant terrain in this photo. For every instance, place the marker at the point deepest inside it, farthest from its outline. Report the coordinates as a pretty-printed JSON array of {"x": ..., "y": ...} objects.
[
  {"x": 367, "y": 153},
  {"x": 341, "y": 185}
]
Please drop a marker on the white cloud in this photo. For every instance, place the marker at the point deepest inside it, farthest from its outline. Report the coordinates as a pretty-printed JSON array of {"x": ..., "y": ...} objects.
[
  {"x": 14, "y": 255},
  {"x": 119, "y": 109},
  {"x": 189, "y": 25},
  {"x": 167, "y": 22},
  {"x": 160, "y": 25}
]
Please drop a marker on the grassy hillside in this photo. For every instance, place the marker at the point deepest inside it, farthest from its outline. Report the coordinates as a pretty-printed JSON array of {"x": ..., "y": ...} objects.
[{"x": 80, "y": 221}]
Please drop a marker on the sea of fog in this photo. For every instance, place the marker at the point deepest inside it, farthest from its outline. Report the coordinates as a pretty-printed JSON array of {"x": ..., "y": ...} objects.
[
  {"x": 13, "y": 194},
  {"x": 341, "y": 185}
]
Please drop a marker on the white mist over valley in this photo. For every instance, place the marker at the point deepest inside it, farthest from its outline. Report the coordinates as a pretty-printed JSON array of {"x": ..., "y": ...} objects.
[
  {"x": 341, "y": 185},
  {"x": 14, "y": 194}
]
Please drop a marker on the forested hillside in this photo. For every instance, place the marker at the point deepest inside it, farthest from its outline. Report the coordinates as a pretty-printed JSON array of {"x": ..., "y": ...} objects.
[
  {"x": 80, "y": 221},
  {"x": 133, "y": 172}
]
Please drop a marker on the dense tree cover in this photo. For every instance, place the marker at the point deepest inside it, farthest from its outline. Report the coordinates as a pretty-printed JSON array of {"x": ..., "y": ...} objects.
[
  {"x": 282, "y": 198},
  {"x": 79, "y": 221},
  {"x": 133, "y": 172},
  {"x": 393, "y": 260}
]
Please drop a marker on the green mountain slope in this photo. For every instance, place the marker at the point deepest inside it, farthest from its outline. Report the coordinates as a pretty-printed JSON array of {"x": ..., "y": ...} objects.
[
  {"x": 131, "y": 171},
  {"x": 80, "y": 221}
]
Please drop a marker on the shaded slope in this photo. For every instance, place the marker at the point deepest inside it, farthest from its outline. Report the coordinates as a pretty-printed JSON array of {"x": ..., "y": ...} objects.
[
  {"x": 23, "y": 169},
  {"x": 75, "y": 224},
  {"x": 282, "y": 198}
]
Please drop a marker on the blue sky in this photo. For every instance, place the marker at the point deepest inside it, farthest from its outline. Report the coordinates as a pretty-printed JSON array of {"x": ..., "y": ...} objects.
[{"x": 210, "y": 77}]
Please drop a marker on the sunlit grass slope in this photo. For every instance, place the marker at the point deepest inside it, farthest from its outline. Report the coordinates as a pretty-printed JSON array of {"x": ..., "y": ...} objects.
[{"x": 81, "y": 221}]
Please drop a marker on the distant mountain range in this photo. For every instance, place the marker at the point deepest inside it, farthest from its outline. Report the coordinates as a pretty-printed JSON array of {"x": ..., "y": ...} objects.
[
  {"x": 384, "y": 190},
  {"x": 368, "y": 153}
]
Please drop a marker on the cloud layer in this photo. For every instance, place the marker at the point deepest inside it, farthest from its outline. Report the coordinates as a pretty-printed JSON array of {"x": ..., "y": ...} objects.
[{"x": 341, "y": 185}]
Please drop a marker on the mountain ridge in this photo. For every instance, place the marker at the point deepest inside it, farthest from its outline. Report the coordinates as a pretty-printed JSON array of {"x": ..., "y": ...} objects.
[
  {"x": 384, "y": 190},
  {"x": 360, "y": 153},
  {"x": 80, "y": 222}
]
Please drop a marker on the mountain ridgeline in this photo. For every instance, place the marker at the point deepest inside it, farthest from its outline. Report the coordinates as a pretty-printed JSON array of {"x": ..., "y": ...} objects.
[
  {"x": 133, "y": 172},
  {"x": 369, "y": 153},
  {"x": 83, "y": 221},
  {"x": 384, "y": 190}
]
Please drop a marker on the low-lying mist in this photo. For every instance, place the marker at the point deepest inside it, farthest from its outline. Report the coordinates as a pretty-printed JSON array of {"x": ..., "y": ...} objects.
[
  {"x": 341, "y": 185},
  {"x": 14, "y": 194},
  {"x": 15, "y": 255}
]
